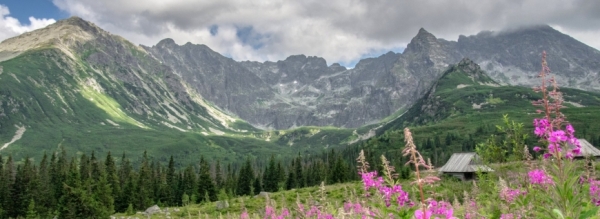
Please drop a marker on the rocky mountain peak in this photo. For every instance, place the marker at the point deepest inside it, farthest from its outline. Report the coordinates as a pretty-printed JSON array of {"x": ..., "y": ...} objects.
[
  {"x": 423, "y": 36},
  {"x": 472, "y": 70},
  {"x": 167, "y": 42},
  {"x": 293, "y": 58},
  {"x": 424, "y": 33},
  {"x": 80, "y": 23},
  {"x": 302, "y": 59},
  {"x": 469, "y": 66},
  {"x": 423, "y": 42},
  {"x": 64, "y": 35}
]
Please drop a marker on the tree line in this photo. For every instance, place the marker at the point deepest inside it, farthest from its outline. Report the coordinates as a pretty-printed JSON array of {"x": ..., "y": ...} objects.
[{"x": 86, "y": 186}]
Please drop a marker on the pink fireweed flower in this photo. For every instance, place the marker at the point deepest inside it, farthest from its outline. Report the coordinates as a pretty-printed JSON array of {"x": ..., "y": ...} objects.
[
  {"x": 539, "y": 177},
  {"x": 419, "y": 214},
  {"x": 595, "y": 192},
  {"x": 570, "y": 129},
  {"x": 284, "y": 213},
  {"x": 314, "y": 212},
  {"x": 402, "y": 198},
  {"x": 436, "y": 209},
  {"x": 358, "y": 209},
  {"x": 554, "y": 147},
  {"x": 244, "y": 215},
  {"x": 509, "y": 195},
  {"x": 557, "y": 136},
  {"x": 541, "y": 127},
  {"x": 271, "y": 214},
  {"x": 509, "y": 216},
  {"x": 369, "y": 182},
  {"x": 387, "y": 192},
  {"x": 557, "y": 140}
]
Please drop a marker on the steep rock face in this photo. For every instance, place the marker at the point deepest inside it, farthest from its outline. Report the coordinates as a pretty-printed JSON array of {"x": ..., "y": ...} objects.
[
  {"x": 513, "y": 57},
  {"x": 301, "y": 90},
  {"x": 219, "y": 79}
]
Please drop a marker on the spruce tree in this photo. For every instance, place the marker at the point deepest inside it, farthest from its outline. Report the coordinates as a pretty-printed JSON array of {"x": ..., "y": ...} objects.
[
  {"x": 8, "y": 178},
  {"x": 47, "y": 202},
  {"x": 144, "y": 195},
  {"x": 257, "y": 186},
  {"x": 206, "y": 186},
  {"x": 84, "y": 168},
  {"x": 246, "y": 176},
  {"x": 3, "y": 188},
  {"x": 189, "y": 182},
  {"x": 171, "y": 179},
  {"x": 298, "y": 173},
  {"x": 218, "y": 175},
  {"x": 31, "y": 213},
  {"x": 17, "y": 199},
  {"x": 112, "y": 178},
  {"x": 290, "y": 182},
  {"x": 271, "y": 176},
  {"x": 75, "y": 201},
  {"x": 124, "y": 174},
  {"x": 280, "y": 173},
  {"x": 101, "y": 188}
]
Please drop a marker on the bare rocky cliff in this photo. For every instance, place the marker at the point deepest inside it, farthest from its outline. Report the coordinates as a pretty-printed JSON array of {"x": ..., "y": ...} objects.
[
  {"x": 305, "y": 91},
  {"x": 301, "y": 90}
]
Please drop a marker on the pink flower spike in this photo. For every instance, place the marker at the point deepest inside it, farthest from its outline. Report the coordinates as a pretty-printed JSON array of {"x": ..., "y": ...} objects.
[
  {"x": 569, "y": 155},
  {"x": 244, "y": 215},
  {"x": 537, "y": 149},
  {"x": 419, "y": 214},
  {"x": 570, "y": 129},
  {"x": 577, "y": 151}
]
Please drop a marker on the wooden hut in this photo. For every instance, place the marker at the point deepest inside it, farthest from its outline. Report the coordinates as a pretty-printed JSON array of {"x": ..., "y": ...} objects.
[{"x": 464, "y": 166}]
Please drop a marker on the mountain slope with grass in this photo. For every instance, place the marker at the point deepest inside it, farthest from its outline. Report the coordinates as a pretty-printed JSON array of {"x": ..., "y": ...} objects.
[
  {"x": 464, "y": 106},
  {"x": 76, "y": 86}
]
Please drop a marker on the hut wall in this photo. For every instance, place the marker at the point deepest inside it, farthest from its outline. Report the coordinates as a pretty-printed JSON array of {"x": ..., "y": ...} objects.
[{"x": 460, "y": 176}]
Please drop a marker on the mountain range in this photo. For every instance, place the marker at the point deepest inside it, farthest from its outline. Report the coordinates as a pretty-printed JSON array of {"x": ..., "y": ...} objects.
[
  {"x": 305, "y": 91},
  {"x": 72, "y": 84}
]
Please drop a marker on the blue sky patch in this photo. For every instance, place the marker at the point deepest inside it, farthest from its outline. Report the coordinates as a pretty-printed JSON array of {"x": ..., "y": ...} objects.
[
  {"x": 23, "y": 9},
  {"x": 249, "y": 36},
  {"x": 214, "y": 30}
]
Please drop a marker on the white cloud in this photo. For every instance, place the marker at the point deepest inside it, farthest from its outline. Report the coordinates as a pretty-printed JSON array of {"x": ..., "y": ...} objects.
[
  {"x": 10, "y": 26},
  {"x": 338, "y": 30}
]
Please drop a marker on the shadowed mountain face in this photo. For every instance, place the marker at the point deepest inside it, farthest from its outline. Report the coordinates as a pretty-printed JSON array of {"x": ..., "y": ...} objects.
[{"x": 300, "y": 90}]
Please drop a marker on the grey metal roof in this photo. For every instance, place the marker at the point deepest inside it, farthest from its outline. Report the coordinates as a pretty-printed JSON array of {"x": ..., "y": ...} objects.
[
  {"x": 587, "y": 149},
  {"x": 463, "y": 163}
]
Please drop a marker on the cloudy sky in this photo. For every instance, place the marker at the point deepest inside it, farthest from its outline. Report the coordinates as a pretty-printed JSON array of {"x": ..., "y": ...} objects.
[{"x": 342, "y": 31}]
